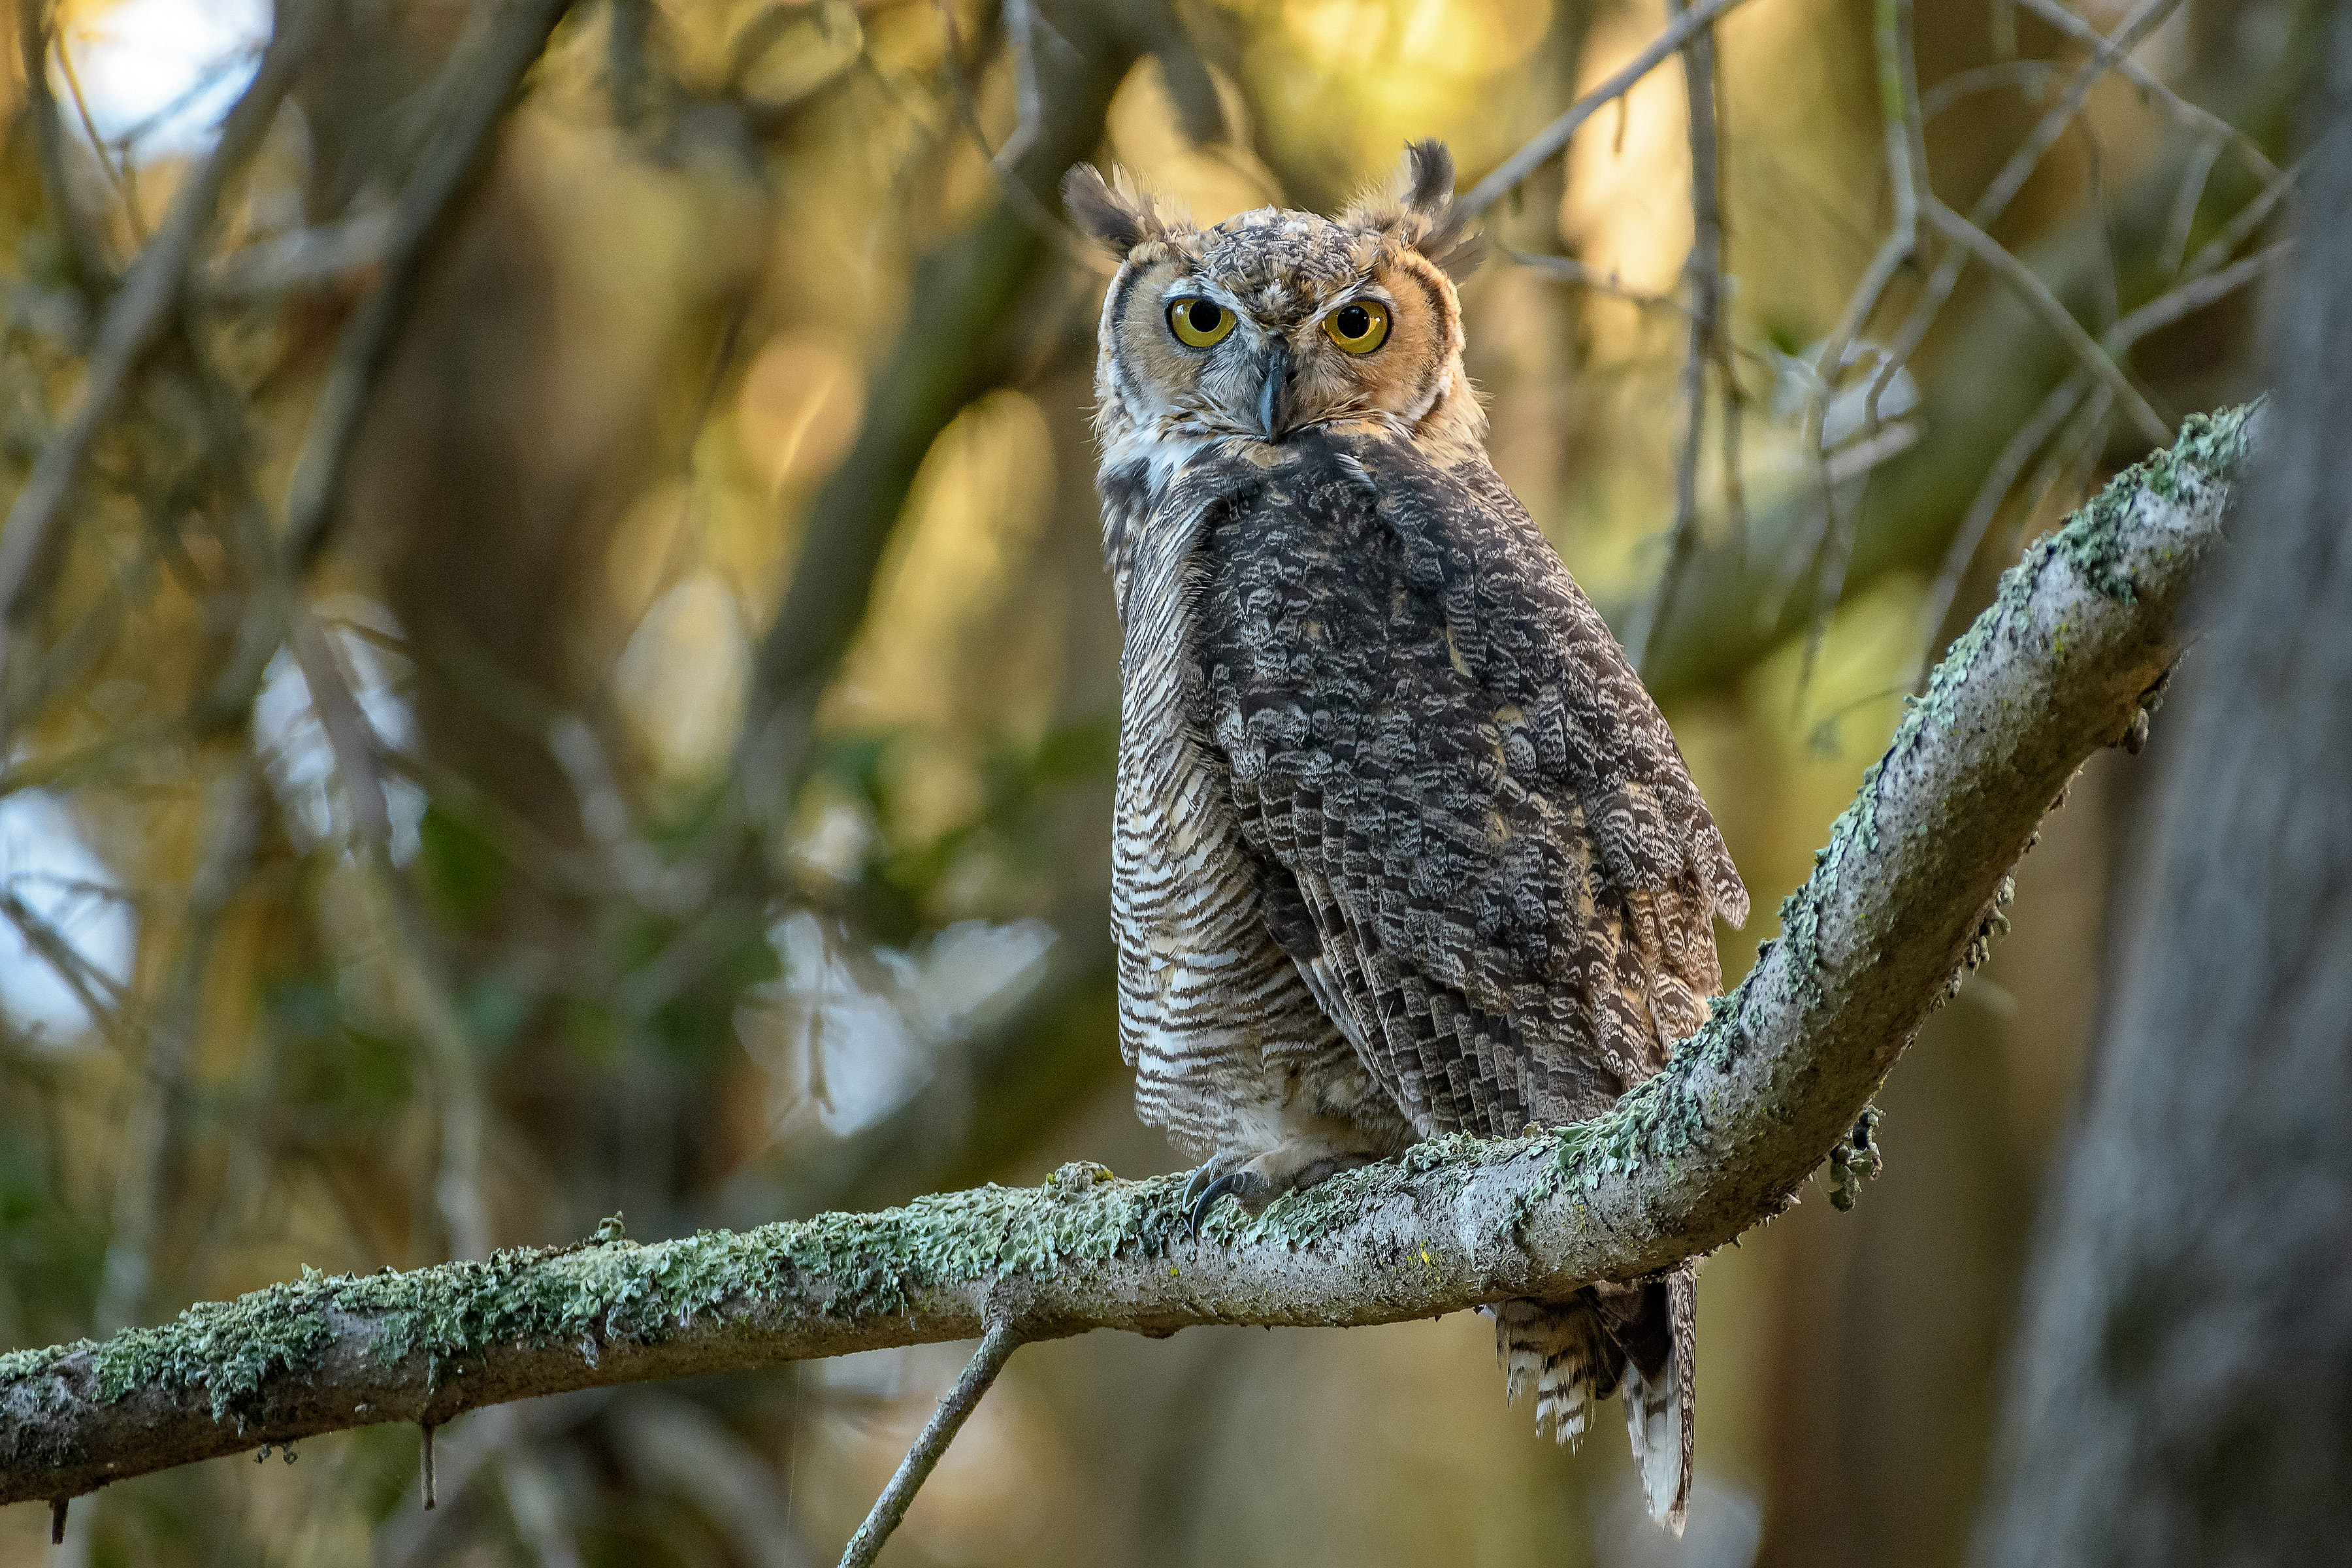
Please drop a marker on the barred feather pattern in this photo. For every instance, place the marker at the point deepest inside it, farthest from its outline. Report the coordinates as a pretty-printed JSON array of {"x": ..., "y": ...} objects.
[{"x": 1228, "y": 1043}]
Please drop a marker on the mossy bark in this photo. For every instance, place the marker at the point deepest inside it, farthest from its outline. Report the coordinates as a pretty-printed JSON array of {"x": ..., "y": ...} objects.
[{"x": 2081, "y": 632}]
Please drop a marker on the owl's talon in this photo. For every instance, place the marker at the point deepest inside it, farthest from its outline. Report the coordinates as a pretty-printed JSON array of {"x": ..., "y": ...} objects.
[
  {"x": 1210, "y": 1170},
  {"x": 1231, "y": 1182}
]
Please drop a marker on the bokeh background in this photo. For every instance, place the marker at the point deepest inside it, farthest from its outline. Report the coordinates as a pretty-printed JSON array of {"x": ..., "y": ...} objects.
[{"x": 680, "y": 785}]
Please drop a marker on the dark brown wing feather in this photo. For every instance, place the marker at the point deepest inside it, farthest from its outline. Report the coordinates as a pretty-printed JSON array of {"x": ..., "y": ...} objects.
[{"x": 1473, "y": 829}]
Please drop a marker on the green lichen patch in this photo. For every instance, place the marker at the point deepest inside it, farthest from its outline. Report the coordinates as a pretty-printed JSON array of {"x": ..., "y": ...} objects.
[
  {"x": 2208, "y": 450},
  {"x": 839, "y": 1266},
  {"x": 227, "y": 1347}
]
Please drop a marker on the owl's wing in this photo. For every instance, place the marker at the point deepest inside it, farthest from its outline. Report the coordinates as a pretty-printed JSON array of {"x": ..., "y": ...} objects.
[{"x": 1471, "y": 827}]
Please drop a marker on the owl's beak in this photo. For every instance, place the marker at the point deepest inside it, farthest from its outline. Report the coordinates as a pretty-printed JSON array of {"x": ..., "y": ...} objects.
[{"x": 1269, "y": 393}]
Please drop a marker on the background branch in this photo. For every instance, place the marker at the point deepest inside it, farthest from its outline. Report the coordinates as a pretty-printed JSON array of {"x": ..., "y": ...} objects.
[{"x": 141, "y": 313}]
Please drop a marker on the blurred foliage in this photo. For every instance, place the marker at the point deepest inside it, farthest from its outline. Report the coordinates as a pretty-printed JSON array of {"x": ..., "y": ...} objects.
[{"x": 680, "y": 783}]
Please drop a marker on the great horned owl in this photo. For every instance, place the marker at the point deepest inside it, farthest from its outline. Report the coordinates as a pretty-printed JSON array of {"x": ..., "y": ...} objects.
[{"x": 1402, "y": 846}]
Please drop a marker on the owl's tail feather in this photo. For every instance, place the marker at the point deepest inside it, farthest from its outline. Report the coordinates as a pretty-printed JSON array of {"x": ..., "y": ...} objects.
[{"x": 1639, "y": 1340}]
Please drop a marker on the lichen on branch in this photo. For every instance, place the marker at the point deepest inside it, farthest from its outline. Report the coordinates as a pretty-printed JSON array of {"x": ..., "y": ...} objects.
[{"x": 2081, "y": 631}]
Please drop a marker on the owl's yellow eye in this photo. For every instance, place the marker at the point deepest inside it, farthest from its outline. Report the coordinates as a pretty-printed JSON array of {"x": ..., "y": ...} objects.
[
  {"x": 1359, "y": 327},
  {"x": 1198, "y": 323}
]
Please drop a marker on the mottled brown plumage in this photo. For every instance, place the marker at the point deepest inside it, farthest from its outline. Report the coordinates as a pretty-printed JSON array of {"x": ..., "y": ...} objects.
[{"x": 1402, "y": 846}]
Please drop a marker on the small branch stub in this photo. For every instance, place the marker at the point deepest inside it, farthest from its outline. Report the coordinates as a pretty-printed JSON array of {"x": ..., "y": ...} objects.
[{"x": 1854, "y": 1161}]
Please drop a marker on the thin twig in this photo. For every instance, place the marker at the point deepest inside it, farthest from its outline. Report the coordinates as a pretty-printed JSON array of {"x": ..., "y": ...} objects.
[
  {"x": 995, "y": 1349},
  {"x": 1705, "y": 270},
  {"x": 230, "y": 837},
  {"x": 2194, "y": 296},
  {"x": 1029, "y": 97},
  {"x": 1906, "y": 175},
  {"x": 2119, "y": 56},
  {"x": 2239, "y": 229},
  {"x": 1034, "y": 213},
  {"x": 2191, "y": 195},
  {"x": 139, "y": 317},
  {"x": 518, "y": 36},
  {"x": 116, "y": 175},
  {"x": 2036, "y": 294},
  {"x": 2198, "y": 288},
  {"x": 2030, "y": 78},
  {"x": 1842, "y": 525},
  {"x": 1547, "y": 143},
  {"x": 100, "y": 994},
  {"x": 1567, "y": 269},
  {"x": 1989, "y": 206},
  {"x": 94, "y": 272}
]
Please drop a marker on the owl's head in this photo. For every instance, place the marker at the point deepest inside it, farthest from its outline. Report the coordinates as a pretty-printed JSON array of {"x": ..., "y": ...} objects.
[{"x": 1275, "y": 320}]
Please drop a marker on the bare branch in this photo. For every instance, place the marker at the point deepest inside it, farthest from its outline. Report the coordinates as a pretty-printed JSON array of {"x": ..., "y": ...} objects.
[
  {"x": 1989, "y": 206},
  {"x": 517, "y": 33},
  {"x": 1705, "y": 270},
  {"x": 2193, "y": 296},
  {"x": 1907, "y": 171},
  {"x": 141, "y": 1180},
  {"x": 1548, "y": 143},
  {"x": 1002, "y": 161},
  {"x": 1020, "y": 39},
  {"x": 2239, "y": 229},
  {"x": 140, "y": 315},
  {"x": 889, "y": 1509},
  {"x": 1906, "y": 175},
  {"x": 82, "y": 244},
  {"x": 2054, "y": 315},
  {"x": 2193, "y": 180},
  {"x": 2108, "y": 53},
  {"x": 2057, "y": 668},
  {"x": 1567, "y": 269},
  {"x": 2025, "y": 76}
]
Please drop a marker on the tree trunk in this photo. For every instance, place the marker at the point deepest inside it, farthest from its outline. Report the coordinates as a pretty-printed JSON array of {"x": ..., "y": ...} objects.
[{"x": 2185, "y": 1391}]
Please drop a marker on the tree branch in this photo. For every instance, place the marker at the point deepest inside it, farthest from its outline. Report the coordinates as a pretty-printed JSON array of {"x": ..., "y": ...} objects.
[
  {"x": 890, "y": 1509},
  {"x": 136, "y": 320},
  {"x": 517, "y": 37},
  {"x": 1549, "y": 143},
  {"x": 2081, "y": 632}
]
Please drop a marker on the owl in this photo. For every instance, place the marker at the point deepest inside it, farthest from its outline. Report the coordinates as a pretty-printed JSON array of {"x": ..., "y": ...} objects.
[{"x": 1403, "y": 846}]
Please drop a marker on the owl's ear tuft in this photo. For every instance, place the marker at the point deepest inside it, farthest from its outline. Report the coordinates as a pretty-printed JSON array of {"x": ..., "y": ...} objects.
[
  {"x": 1115, "y": 214},
  {"x": 1428, "y": 178},
  {"x": 1416, "y": 208}
]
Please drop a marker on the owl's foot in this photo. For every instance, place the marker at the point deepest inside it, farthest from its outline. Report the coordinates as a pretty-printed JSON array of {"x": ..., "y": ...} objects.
[{"x": 1255, "y": 1181}]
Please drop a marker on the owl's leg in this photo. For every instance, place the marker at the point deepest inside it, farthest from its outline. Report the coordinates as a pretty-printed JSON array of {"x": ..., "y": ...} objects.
[{"x": 1255, "y": 1181}]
